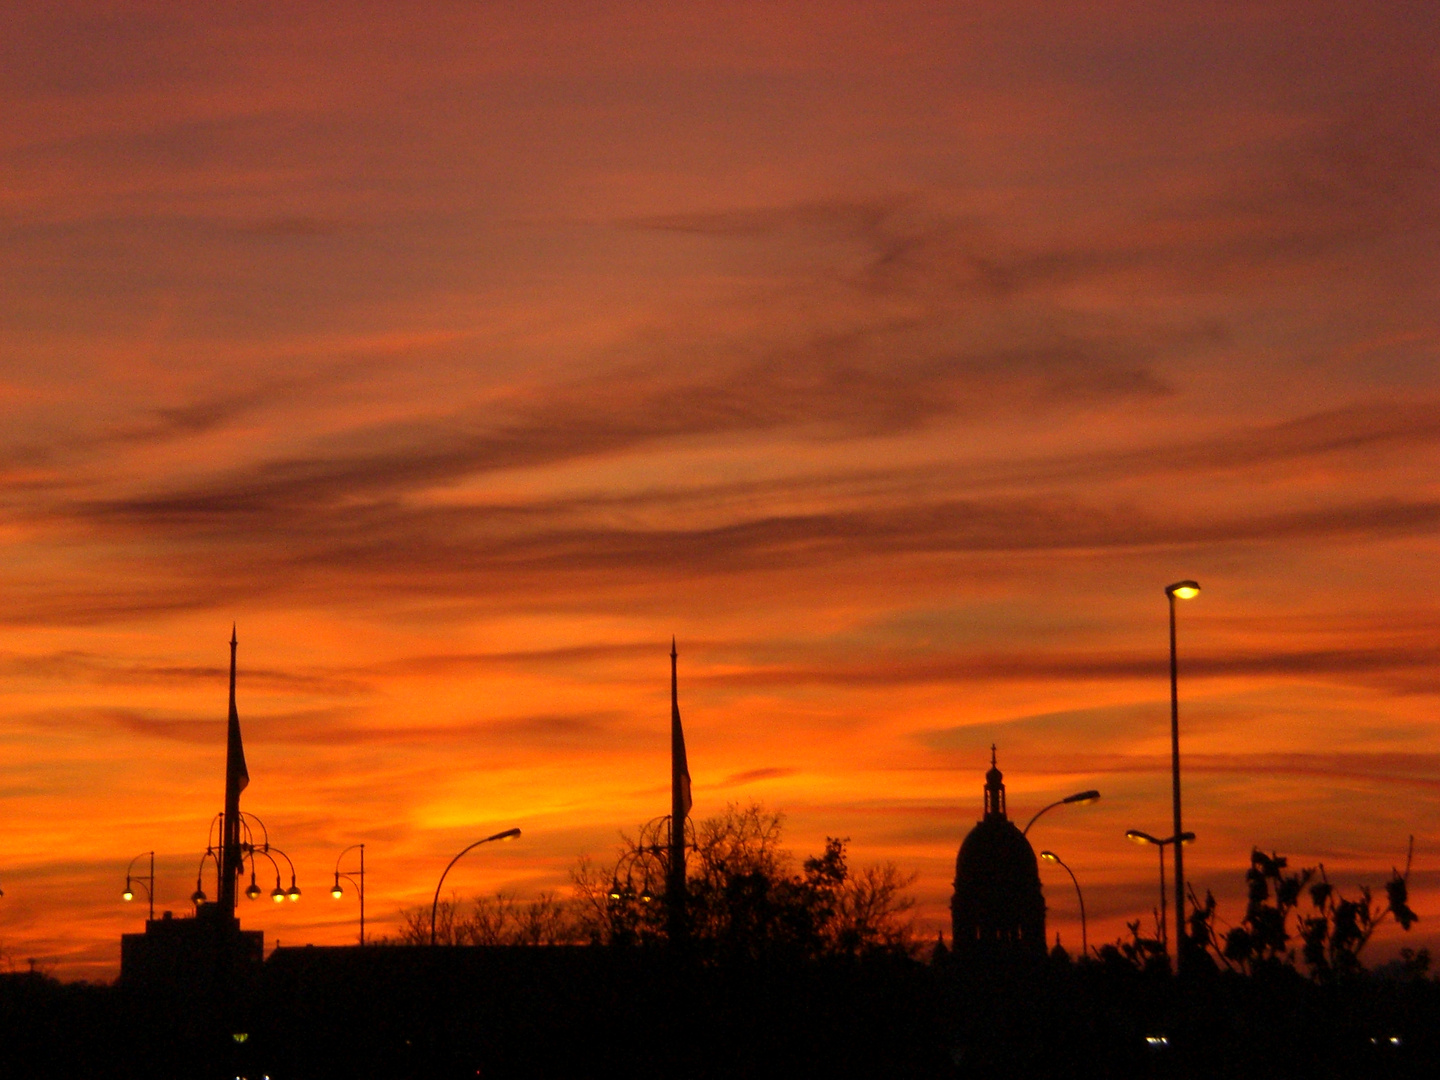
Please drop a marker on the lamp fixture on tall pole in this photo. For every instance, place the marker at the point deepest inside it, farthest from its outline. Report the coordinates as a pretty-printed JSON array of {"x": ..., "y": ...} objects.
[
  {"x": 358, "y": 881},
  {"x": 1145, "y": 838},
  {"x": 1084, "y": 798},
  {"x": 1183, "y": 590},
  {"x": 508, "y": 834},
  {"x": 1050, "y": 856},
  {"x": 148, "y": 880}
]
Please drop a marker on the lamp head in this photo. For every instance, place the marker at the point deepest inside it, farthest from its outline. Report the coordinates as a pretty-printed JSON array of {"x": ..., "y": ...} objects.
[
  {"x": 277, "y": 894},
  {"x": 128, "y": 894},
  {"x": 1183, "y": 590},
  {"x": 1187, "y": 838},
  {"x": 1084, "y": 798},
  {"x": 1049, "y": 856},
  {"x": 253, "y": 892},
  {"x": 335, "y": 890},
  {"x": 293, "y": 893},
  {"x": 1140, "y": 837},
  {"x": 507, "y": 835},
  {"x": 197, "y": 897}
]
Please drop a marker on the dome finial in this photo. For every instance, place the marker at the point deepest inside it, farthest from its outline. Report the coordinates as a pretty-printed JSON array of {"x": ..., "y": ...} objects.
[{"x": 994, "y": 788}]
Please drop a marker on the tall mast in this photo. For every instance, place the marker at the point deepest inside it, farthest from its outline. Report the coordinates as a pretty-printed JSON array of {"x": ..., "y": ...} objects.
[
  {"x": 679, "y": 809},
  {"x": 236, "y": 778}
]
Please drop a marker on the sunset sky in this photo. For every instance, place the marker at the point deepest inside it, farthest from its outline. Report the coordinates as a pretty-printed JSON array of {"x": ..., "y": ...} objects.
[{"x": 892, "y": 356}]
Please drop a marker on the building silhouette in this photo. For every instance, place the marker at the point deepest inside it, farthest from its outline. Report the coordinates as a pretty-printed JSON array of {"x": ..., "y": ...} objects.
[{"x": 998, "y": 909}]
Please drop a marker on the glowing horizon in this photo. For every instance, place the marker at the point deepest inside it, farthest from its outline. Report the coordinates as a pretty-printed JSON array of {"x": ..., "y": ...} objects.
[{"x": 894, "y": 360}]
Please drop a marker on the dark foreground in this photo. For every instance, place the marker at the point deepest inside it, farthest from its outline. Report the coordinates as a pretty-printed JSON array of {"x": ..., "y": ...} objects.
[{"x": 563, "y": 1012}]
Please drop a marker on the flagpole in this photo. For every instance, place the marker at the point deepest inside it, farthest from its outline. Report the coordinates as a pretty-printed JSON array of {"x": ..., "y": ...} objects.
[
  {"x": 231, "y": 854},
  {"x": 679, "y": 807}
]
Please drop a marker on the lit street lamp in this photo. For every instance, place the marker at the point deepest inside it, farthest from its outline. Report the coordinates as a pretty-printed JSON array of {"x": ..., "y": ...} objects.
[
  {"x": 1183, "y": 590},
  {"x": 1145, "y": 838},
  {"x": 1050, "y": 856},
  {"x": 1084, "y": 798},
  {"x": 148, "y": 880},
  {"x": 358, "y": 881},
  {"x": 508, "y": 834}
]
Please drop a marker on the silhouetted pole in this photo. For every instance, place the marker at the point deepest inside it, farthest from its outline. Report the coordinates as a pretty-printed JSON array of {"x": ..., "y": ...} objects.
[
  {"x": 1164, "y": 923},
  {"x": 130, "y": 879},
  {"x": 508, "y": 834},
  {"x": 1050, "y": 856},
  {"x": 337, "y": 892},
  {"x": 1145, "y": 838},
  {"x": 1185, "y": 590},
  {"x": 679, "y": 807},
  {"x": 236, "y": 779}
]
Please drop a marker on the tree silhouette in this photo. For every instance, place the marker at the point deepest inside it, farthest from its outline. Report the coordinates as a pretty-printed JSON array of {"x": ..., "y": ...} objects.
[
  {"x": 744, "y": 899},
  {"x": 1332, "y": 930},
  {"x": 499, "y": 920}
]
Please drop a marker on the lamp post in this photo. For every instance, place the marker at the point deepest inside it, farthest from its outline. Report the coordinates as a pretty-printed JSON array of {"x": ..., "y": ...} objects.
[
  {"x": 1084, "y": 798},
  {"x": 148, "y": 880},
  {"x": 1183, "y": 590},
  {"x": 337, "y": 892},
  {"x": 1050, "y": 856},
  {"x": 1145, "y": 838},
  {"x": 508, "y": 834}
]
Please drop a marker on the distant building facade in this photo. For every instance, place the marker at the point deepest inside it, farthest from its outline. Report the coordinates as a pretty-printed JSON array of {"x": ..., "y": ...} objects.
[
  {"x": 998, "y": 908},
  {"x": 201, "y": 955}
]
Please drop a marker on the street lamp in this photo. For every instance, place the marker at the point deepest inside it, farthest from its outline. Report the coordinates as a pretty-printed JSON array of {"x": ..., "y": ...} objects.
[
  {"x": 508, "y": 834},
  {"x": 1084, "y": 798},
  {"x": 198, "y": 897},
  {"x": 148, "y": 880},
  {"x": 1050, "y": 856},
  {"x": 337, "y": 892},
  {"x": 1145, "y": 838},
  {"x": 281, "y": 895},
  {"x": 1184, "y": 590}
]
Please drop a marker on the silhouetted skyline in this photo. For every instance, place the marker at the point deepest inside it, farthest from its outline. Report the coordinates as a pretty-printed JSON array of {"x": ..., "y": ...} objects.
[{"x": 894, "y": 358}]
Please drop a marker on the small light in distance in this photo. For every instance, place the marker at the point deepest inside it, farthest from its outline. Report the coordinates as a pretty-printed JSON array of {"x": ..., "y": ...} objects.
[{"x": 1157, "y": 1041}]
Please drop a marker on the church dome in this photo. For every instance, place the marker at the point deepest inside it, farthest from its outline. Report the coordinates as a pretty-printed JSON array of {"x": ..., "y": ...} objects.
[{"x": 998, "y": 904}]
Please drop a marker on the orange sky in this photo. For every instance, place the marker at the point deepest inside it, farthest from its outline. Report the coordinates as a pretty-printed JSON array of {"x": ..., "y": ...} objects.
[{"x": 894, "y": 357}]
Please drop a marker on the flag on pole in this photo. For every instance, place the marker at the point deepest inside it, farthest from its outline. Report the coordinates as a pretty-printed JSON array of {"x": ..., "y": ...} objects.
[
  {"x": 679, "y": 766},
  {"x": 235, "y": 771}
]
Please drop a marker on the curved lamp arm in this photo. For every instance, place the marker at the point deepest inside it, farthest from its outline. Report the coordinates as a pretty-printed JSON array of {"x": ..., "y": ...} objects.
[
  {"x": 508, "y": 834},
  {"x": 198, "y": 896},
  {"x": 246, "y": 819},
  {"x": 1050, "y": 856},
  {"x": 342, "y": 855},
  {"x": 147, "y": 879},
  {"x": 1079, "y": 797},
  {"x": 292, "y": 893}
]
